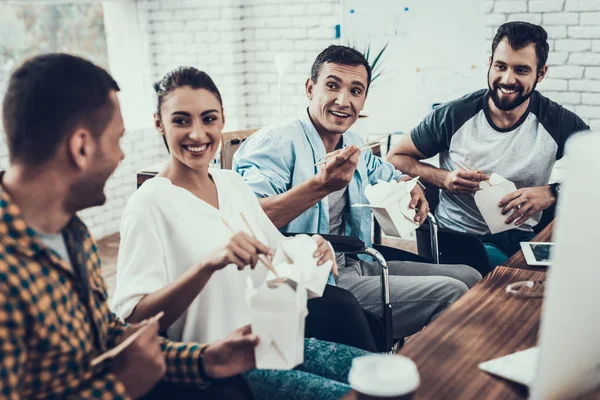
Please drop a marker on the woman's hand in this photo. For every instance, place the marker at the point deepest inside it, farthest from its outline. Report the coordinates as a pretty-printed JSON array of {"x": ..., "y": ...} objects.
[
  {"x": 242, "y": 250},
  {"x": 324, "y": 253}
]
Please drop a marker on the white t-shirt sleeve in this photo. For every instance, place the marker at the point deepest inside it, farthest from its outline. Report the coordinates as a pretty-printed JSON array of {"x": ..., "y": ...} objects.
[{"x": 140, "y": 268}]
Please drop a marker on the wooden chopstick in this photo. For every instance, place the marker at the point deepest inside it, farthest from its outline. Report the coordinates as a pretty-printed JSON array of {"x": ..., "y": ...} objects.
[
  {"x": 467, "y": 167},
  {"x": 367, "y": 145},
  {"x": 125, "y": 343},
  {"x": 269, "y": 264},
  {"x": 261, "y": 257},
  {"x": 459, "y": 166},
  {"x": 364, "y": 146}
]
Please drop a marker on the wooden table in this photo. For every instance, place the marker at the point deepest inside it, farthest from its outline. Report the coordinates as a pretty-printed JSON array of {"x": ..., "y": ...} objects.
[{"x": 485, "y": 323}]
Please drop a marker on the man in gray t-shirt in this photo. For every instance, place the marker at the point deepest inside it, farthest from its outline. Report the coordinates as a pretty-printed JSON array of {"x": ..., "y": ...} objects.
[{"x": 509, "y": 129}]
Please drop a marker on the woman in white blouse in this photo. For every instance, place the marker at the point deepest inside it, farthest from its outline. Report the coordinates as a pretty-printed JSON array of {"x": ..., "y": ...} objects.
[{"x": 178, "y": 256}]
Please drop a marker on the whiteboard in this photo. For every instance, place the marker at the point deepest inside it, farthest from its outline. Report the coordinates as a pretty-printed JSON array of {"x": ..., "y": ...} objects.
[{"x": 436, "y": 52}]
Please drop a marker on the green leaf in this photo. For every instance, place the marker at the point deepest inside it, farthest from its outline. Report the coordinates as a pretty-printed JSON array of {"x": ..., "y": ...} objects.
[{"x": 379, "y": 56}]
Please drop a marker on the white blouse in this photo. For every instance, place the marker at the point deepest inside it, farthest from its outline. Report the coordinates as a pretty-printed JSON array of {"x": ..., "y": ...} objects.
[{"x": 166, "y": 229}]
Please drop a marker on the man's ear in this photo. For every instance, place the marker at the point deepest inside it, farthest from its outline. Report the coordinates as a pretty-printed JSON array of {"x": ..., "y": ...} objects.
[
  {"x": 309, "y": 85},
  {"x": 542, "y": 73},
  {"x": 158, "y": 124},
  {"x": 490, "y": 61},
  {"x": 82, "y": 147}
]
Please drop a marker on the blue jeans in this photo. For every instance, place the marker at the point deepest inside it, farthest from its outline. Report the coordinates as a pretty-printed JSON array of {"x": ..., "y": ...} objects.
[
  {"x": 501, "y": 246},
  {"x": 323, "y": 375}
]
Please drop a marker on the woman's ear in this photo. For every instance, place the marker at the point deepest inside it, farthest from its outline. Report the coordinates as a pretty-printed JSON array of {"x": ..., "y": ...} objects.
[{"x": 158, "y": 124}]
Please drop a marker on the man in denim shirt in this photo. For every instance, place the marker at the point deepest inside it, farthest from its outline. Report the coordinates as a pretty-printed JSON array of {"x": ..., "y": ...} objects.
[{"x": 278, "y": 162}]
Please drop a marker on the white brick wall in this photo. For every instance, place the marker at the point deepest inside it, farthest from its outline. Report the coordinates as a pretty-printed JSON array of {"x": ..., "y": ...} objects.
[
  {"x": 265, "y": 27},
  {"x": 142, "y": 147},
  {"x": 309, "y": 27},
  {"x": 573, "y": 28},
  {"x": 235, "y": 42}
]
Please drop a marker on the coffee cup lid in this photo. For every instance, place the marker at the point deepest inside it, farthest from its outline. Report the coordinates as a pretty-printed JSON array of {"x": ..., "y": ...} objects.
[{"x": 384, "y": 375}]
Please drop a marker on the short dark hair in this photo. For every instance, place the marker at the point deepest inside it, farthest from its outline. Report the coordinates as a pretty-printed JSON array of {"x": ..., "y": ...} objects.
[
  {"x": 48, "y": 97},
  {"x": 180, "y": 77},
  {"x": 184, "y": 76},
  {"x": 343, "y": 55},
  {"x": 521, "y": 34}
]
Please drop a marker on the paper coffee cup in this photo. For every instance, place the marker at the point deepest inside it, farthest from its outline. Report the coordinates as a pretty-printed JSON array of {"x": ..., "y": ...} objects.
[{"x": 384, "y": 376}]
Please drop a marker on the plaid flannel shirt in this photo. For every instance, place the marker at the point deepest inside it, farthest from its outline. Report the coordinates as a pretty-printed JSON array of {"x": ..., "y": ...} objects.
[{"x": 52, "y": 325}]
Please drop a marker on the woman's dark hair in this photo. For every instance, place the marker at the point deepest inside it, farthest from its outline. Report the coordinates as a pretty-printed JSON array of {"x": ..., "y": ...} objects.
[
  {"x": 181, "y": 77},
  {"x": 521, "y": 34}
]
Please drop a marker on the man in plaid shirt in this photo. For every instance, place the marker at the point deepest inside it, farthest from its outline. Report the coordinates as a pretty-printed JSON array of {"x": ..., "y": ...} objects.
[{"x": 63, "y": 129}]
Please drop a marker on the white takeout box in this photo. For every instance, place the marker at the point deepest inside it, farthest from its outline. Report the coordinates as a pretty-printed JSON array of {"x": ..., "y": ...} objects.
[
  {"x": 389, "y": 202},
  {"x": 278, "y": 315},
  {"x": 295, "y": 264},
  {"x": 487, "y": 199}
]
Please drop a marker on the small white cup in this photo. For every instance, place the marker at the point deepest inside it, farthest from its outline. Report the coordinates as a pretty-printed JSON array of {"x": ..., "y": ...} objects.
[{"x": 384, "y": 376}]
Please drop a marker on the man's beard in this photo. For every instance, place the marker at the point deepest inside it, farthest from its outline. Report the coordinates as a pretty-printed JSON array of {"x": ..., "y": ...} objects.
[
  {"x": 88, "y": 191},
  {"x": 508, "y": 105}
]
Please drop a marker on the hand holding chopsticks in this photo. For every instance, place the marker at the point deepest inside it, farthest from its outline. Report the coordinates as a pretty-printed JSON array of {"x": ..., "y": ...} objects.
[
  {"x": 466, "y": 167},
  {"x": 368, "y": 145},
  {"x": 125, "y": 343},
  {"x": 264, "y": 259},
  {"x": 464, "y": 180}
]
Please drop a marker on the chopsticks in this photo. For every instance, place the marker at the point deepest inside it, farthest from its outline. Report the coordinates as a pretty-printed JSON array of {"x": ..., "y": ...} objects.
[
  {"x": 466, "y": 167},
  {"x": 125, "y": 343},
  {"x": 368, "y": 145},
  {"x": 261, "y": 257}
]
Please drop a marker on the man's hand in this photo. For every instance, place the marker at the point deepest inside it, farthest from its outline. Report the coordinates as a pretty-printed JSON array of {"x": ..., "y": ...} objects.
[
  {"x": 141, "y": 365},
  {"x": 325, "y": 253},
  {"x": 232, "y": 355},
  {"x": 418, "y": 201},
  {"x": 242, "y": 250},
  {"x": 463, "y": 182},
  {"x": 339, "y": 168},
  {"x": 525, "y": 202}
]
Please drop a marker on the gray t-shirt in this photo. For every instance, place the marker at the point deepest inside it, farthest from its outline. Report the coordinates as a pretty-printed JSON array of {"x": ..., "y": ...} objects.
[
  {"x": 524, "y": 154},
  {"x": 57, "y": 243},
  {"x": 338, "y": 202},
  {"x": 338, "y": 208}
]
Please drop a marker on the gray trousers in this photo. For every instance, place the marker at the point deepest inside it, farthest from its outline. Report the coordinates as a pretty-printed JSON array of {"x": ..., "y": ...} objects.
[{"x": 419, "y": 292}]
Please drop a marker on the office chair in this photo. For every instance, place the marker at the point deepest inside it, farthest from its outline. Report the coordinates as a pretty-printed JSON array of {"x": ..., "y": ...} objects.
[{"x": 381, "y": 327}]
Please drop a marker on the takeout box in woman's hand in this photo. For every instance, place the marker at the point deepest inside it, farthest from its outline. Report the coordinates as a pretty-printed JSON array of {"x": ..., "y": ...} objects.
[
  {"x": 295, "y": 264},
  {"x": 278, "y": 316}
]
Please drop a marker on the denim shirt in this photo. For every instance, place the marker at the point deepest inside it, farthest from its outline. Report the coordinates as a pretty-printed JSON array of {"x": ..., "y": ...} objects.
[{"x": 279, "y": 157}]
